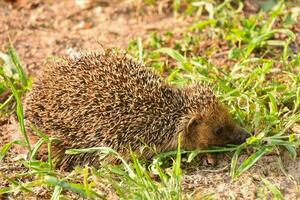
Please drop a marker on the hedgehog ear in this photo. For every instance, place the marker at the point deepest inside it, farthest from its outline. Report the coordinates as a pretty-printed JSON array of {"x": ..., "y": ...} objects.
[{"x": 192, "y": 125}]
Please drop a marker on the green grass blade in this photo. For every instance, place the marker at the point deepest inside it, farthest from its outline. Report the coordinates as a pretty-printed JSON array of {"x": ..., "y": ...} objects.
[
  {"x": 17, "y": 184},
  {"x": 4, "y": 150},
  {"x": 194, "y": 153},
  {"x": 275, "y": 191},
  {"x": 173, "y": 54},
  {"x": 234, "y": 161},
  {"x": 265, "y": 36},
  {"x": 56, "y": 193},
  {"x": 13, "y": 54},
  {"x": 273, "y": 104},
  {"x": 20, "y": 112},
  {"x": 177, "y": 167},
  {"x": 78, "y": 188},
  {"x": 36, "y": 147},
  {"x": 140, "y": 46},
  {"x": 297, "y": 102},
  {"x": 6, "y": 190},
  {"x": 7, "y": 101},
  {"x": 250, "y": 161},
  {"x": 39, "y": 133}
]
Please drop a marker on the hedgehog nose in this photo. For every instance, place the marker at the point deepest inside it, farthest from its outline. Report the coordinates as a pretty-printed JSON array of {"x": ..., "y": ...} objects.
[{"x": 243, "y": 135}]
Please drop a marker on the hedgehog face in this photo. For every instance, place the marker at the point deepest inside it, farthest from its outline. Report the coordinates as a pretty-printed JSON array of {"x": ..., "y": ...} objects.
[{"x": 216, "y": 128}]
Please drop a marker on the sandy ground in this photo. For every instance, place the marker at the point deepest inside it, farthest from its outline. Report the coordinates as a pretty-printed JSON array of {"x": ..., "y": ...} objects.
[{"x": 42, "y": 30}]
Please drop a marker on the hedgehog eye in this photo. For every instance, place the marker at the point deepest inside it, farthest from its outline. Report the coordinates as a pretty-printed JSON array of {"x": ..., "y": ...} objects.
[{"x": 218, "y": 130}]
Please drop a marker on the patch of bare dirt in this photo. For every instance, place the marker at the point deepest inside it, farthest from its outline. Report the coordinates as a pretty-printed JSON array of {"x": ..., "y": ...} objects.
[
  {"x": 50, "y": 28},
  {"x": 217, "y": 180}
]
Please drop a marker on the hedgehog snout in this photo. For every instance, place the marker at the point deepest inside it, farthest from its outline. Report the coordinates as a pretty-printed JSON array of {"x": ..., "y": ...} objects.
[{"x": 240, "y": 136}]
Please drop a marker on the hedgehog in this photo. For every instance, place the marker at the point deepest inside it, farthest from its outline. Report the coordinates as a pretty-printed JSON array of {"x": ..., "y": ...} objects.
[{"x": 109, "y": 100}]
